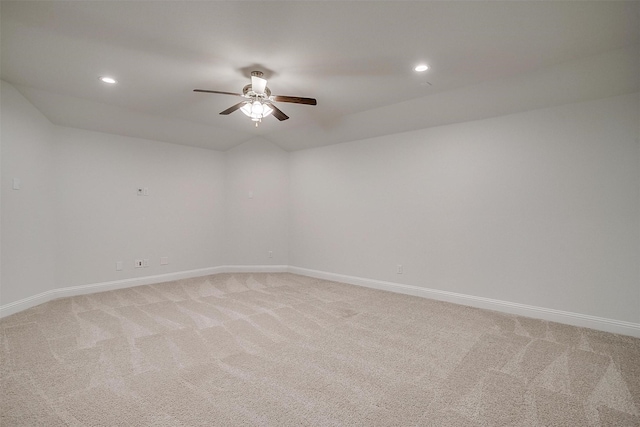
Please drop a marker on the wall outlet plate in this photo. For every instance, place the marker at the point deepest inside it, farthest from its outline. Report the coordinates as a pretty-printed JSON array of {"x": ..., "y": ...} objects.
[{"x": 137, "y": 263}]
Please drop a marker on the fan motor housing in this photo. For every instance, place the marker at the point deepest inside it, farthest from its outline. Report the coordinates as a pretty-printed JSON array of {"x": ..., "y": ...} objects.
[{"x": 248, "y": 91}]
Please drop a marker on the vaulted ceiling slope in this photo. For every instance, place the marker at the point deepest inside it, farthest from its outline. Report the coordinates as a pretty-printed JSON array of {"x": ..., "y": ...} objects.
[{"x": 355, "y": 58}]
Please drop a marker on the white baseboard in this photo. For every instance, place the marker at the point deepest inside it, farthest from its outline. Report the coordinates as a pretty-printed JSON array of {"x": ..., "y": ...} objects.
[
  {"x": 256, "y": 268},
  {"x": 32, "y": 301},
  {"x": 23, "y": 304},
  {"x": 576, "y": 319},
  {"x": 566, "y": 317}
]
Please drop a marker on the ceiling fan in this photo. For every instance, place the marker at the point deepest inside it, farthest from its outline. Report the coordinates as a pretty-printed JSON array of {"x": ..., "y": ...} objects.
[{"x": 258, "y": 101}]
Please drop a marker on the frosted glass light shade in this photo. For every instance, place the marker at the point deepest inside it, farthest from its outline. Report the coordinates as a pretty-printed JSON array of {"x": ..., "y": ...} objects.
[
  {"x": 246, "y": 109},
  {"x": 256, "y": 109}
]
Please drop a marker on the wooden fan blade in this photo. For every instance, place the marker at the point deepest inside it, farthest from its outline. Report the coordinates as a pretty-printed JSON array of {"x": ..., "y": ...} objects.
[
  {"x": 233, "y": 108},
  {"x": 217, "y": 91},
  {"x": 278, "y": 114},
  {"x": 295, "y": 100}
]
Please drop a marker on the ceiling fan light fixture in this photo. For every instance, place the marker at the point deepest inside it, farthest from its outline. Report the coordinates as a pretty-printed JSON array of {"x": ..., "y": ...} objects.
[{"x": 256, "y": 110}]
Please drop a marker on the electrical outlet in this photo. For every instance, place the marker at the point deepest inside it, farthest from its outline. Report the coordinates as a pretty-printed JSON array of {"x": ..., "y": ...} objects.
[
  {"x": 399, "y": 269},
  {"x": 119, "y": 266},
  {"x": 270, "y": 254},
  {"x": 138, "y": 263},
  {"x": 140, "y": 191},
  {"x": 145, "y": 262}
]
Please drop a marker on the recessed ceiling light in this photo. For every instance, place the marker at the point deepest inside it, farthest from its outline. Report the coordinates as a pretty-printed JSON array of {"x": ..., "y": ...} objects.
[
  {"x": 421, "y": 67},
  {"x": 109, "y": 80}
]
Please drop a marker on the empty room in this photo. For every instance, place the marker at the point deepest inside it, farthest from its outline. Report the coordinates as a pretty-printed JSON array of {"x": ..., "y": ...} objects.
[{"x": 320, "y": 213}]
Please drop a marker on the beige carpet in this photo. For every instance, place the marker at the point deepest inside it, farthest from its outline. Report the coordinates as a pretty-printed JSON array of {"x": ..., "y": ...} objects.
[{"x": 288, "y": 350}]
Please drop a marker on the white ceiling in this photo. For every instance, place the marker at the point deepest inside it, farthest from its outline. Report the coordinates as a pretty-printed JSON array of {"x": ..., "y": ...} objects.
[{"x": 356, "y": 58}]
